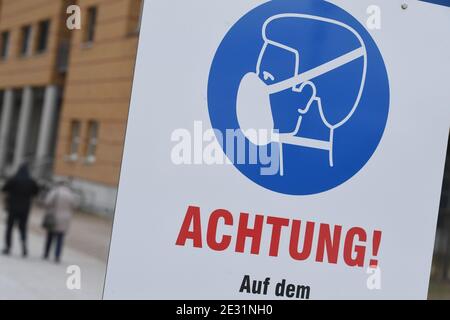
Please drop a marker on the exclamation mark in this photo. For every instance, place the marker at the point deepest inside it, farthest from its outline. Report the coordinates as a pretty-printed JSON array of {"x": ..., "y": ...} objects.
[{"x": 375, "y": 247}]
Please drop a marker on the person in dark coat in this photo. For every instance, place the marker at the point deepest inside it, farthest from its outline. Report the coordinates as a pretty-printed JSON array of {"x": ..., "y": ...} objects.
[{"x": 19, "y": 190}]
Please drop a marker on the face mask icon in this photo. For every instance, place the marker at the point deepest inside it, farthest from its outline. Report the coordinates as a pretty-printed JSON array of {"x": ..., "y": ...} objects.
[{"x": 254, "y": 105}]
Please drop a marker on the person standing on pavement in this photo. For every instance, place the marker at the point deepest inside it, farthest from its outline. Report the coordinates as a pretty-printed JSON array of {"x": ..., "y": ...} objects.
[
  {"x": 19, "y": 190},
  {"x": 61, "y": 203}
]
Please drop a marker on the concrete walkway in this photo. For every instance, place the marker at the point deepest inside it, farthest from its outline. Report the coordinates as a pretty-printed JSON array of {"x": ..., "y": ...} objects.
[{"x": 33, "y": 278}]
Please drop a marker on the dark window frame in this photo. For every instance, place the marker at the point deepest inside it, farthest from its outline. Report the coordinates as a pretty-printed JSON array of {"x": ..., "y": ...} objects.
[
  {"x": 5, "y": 42},
  {"x": 93, "y": 129},
  {"x": 43, "y": 36},
  {"x": 25, "y": 40},
  {"x": 74, "y": 139},
  {"x": 91, "y": 25}
]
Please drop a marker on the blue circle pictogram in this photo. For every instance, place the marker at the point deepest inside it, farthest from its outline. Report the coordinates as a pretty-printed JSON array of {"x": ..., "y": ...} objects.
[{"x": 303, "y": 86}]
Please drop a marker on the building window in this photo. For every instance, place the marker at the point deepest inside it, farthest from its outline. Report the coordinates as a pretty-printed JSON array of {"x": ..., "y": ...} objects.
[
  {"x": 139, "y": 19},
  {"x": 91, "y": 22},
  {"x": 74, "y": 143},
  {"x": 25, "y": 41},
  {"x": 4, "y": 45},
  {"x": 136, "y": 10},
  {"x": 141, "y": 11},
  {"x": 91, "y": 146},
  {"x": 43, "y": 35}
]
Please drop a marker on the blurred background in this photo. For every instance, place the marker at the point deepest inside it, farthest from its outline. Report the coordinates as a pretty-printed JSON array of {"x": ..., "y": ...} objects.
[
  {"x": 64, "y": 98},
  {"x": 440, "y": 271}
]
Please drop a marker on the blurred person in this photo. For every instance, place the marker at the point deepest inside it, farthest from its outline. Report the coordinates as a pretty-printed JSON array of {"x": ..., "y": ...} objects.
[
  {"x": 61, "y": 202},
  {"x": 19, "y": 190}
]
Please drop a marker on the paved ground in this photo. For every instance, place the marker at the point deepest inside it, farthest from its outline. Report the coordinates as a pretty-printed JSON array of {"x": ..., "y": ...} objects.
[
  {"x": 32, "y": 278},
  {"x": 439, "y": 289}
]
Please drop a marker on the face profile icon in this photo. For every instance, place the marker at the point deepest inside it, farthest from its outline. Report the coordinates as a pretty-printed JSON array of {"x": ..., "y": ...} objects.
[
  {"x": 312, "y": 77},
  {"x": 254, "y": 91}
]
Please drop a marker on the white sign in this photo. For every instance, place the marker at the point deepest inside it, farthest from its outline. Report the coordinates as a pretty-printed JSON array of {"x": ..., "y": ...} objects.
[{"x": 283, "y": 149}]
